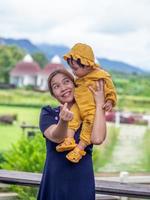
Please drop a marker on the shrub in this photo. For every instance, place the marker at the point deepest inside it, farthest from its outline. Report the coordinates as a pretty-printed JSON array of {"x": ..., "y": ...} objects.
[
  {"x": 29, "y": 87},
  {"x": 1, "y": 158},
  {"x": 28, "y": 154}
]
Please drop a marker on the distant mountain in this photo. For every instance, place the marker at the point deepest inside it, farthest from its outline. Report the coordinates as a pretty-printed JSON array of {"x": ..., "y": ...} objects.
[
  {"x": 51, "y": 50},
  {"x": 112, "y": 65},
  {"x": 22, "y": 43},
  {"x": 60, "y": 50}
]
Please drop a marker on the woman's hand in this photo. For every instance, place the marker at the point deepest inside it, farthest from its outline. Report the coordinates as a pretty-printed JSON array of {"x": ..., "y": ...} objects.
[
  {"x": 65, "y": 114},
  {"x": 98, "y": 93}
]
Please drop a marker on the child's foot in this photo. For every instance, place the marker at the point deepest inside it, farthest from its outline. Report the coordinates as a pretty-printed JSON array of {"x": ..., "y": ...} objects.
[
  {"x": 75, "y": 155},
  {"x": 68, "y": 144}
]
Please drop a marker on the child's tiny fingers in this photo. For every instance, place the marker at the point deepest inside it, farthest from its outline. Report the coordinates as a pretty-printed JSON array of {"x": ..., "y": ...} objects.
[
  {"x": 110, "y": 109},
  {"x": 104, "y": 106}
]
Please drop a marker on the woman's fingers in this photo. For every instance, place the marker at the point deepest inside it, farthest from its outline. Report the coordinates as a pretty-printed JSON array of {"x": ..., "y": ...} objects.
[
  {"x": 98, "y": 86},
  {"x": 65, "y": 106},
  {"x": 101, "y": 84},
  {"x": 91, "y": 89},
  {"x": 69, "y": 115},
  {"x": 65, "y": 114}
]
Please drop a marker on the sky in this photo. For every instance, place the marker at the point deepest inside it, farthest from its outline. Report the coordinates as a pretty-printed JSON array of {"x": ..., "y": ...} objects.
[{"x": 116, "y": 29}]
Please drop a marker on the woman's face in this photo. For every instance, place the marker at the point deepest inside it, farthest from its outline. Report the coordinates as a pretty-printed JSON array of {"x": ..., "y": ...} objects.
[{"x": 63, "y": 88}]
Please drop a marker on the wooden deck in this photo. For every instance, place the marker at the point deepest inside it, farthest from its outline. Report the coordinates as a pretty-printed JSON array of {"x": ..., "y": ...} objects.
[{"x": 102, "y": 186}]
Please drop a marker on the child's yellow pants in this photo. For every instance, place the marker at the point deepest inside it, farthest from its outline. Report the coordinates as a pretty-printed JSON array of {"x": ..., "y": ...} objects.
[{"x": 84, "y": 108}]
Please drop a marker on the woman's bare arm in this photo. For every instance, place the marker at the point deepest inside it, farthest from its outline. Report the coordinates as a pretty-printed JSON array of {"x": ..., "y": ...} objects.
[
  {"x": 58, "y": 132},
  {"x": 99, "y": 127}
]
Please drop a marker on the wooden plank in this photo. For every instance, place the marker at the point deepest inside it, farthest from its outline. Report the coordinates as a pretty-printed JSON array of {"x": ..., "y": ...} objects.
[
  {"x": 20, "y": 178},
  {"x": 131, "y": 179},
  {"x": 8, "y": 195},
  {"x": 123, "y": 189},
  {"x": 106, "y": 197},
  {"x": 102, "y": 187}
]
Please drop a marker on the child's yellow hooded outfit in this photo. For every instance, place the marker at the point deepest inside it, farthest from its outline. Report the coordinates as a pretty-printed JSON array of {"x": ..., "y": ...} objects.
[{"x": 84, "y": 108}]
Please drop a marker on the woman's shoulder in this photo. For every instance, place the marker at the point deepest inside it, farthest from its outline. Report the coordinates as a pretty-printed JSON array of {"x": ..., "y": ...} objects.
[
  {"x": 48, "y": 110},
  {"x": 48, "y": 116}
]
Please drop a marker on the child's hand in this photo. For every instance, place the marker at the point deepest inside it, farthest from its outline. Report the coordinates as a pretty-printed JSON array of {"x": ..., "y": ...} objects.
[
  {"x": 98, "y": 93},
  {"x": 108, "y": 106},
  {"x": 65, "y": 114}
]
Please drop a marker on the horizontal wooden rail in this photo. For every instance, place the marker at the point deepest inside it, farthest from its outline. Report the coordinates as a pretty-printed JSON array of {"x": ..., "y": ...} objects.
[
  {"x": 20, "y": 178},
  {"x": 123, "y": 189},
  {"x": 102, "y": 187}
]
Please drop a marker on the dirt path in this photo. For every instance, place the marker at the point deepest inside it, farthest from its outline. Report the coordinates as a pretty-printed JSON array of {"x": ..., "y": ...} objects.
[{"x": 127, "y": 153}]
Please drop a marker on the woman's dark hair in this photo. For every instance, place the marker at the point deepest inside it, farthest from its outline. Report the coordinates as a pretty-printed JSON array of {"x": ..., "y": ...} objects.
[
  {"x": 78, "y": 61},
  {"x": 54, "y": 73}
]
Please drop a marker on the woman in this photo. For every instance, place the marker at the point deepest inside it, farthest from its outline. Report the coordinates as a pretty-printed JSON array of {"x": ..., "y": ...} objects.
[{"x": 63, "y": 180}]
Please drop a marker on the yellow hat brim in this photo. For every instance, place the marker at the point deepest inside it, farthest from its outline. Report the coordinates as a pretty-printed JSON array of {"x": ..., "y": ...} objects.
[{"x": 83, "y": 60}]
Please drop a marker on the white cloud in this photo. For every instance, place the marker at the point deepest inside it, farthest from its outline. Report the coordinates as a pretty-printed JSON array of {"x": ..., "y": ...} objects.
[{"x": 116, "y": 29}]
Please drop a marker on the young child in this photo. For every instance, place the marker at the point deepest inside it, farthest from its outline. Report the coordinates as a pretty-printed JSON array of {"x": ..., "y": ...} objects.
[{"x": 82, "y": 62}]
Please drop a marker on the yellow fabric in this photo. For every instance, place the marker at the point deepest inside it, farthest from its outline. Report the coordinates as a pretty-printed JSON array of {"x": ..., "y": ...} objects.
[
  {"x": 83, "y": 52},
  {"x": 84, "y": 109}
]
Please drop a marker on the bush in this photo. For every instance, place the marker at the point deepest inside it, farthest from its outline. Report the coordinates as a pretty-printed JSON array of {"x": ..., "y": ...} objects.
[
  {"x": 28, "y": 154},
  {"x": 29, "y": 87},
  {"x": 1, "y": 158}
]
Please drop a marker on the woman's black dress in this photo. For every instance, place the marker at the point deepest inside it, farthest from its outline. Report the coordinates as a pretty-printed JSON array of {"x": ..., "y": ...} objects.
[{"x": 63, "y": 180}]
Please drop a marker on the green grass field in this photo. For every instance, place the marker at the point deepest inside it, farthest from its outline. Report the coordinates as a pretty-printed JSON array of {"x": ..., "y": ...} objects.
[
  {"x": 8, "y": 135},
  {"x": 25, "y": 98},
  {"x": 14, "y": 98},
  {"x": 28, "y": 115},
  {"x": 26, "y": 104},
  {"x": 11, "y": 133}
]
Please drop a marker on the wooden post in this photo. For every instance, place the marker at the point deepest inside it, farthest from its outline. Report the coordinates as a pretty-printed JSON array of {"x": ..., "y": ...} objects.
[
  {"x": 124, "y": 179},
  {"x": 117, "y": 119}
]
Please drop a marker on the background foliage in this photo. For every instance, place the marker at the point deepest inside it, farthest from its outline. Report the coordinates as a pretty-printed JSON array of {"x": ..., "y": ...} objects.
[
  {"x": 28, "y": 154},
  {"x": 9, "y": 56}
]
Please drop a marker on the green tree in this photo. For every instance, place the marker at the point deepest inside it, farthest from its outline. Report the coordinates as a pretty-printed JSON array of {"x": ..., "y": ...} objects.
[
  {"x": 9, "y": 56},
  {"x": 40, "y": 58}
]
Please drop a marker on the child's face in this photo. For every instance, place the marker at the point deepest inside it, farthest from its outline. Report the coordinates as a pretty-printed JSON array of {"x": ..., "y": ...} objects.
[{"x": 78, "y": 70}]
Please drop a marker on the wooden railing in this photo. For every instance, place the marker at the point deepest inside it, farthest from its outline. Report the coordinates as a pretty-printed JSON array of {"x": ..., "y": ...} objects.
[{"x": 102, "y": 186}]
